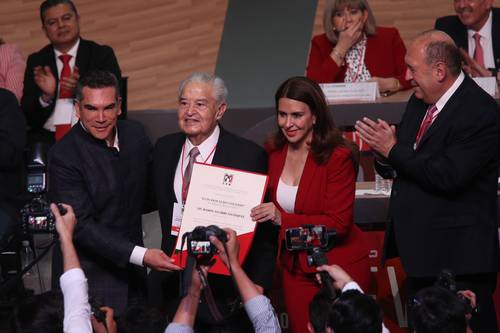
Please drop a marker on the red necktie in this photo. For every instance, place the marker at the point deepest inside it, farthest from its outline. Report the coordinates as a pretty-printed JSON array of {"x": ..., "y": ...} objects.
[
  {"x": 429, "y": 115},
  {"x": 478, "y": 50},
  {"x": 187, "y": 173},
  {"x": 62, "y": 129}
]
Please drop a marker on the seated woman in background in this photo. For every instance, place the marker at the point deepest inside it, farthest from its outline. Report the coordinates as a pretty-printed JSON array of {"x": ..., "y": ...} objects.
[
  {"x": 12, "y": 68},
  {"x": 312, "y": 173},
  {"x": 354, "y": 49}
]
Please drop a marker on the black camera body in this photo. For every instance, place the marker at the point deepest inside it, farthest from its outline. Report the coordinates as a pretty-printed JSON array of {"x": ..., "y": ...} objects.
[
  {"x": 37, "y": 217},
  {"x": 446, "y": 280},
  {"x": 316, "y": 240},
  {"x": 198, "y": 240}
]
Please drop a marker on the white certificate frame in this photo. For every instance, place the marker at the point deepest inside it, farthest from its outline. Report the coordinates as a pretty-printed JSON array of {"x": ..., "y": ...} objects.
[{"x": 222, "y": 196}]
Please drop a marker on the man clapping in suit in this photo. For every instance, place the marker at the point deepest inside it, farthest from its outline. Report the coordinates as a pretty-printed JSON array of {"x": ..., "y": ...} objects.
[
  {"x": 52, "y": 73},
  {"x": 202, "y": 104},
  {"x": 444, "y": 159}
]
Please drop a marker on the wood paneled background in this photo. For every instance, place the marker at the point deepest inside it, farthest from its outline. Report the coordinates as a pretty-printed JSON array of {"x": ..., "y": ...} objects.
[{"x": 159, "y": 42}]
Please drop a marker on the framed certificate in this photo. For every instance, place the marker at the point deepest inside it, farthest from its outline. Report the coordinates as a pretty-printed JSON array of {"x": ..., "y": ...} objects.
[{"x": 223, "y": 197}]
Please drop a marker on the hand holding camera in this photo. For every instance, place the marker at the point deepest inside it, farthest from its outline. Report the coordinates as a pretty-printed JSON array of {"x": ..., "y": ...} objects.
[
  {"x": 339, "y": 276},
  {"x": 230, "y": 253},
  {"x": 65, "y": 220}
]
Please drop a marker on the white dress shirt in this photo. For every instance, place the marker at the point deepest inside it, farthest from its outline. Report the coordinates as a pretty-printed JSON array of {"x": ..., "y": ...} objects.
[
  {"x": 207, "y": 151},
  {"x": 486, "y": 42},
  {"x": 49, "y": 124}
]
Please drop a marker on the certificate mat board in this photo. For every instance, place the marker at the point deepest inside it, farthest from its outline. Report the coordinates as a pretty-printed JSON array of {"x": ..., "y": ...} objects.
[{"x": 224, "y": 197}]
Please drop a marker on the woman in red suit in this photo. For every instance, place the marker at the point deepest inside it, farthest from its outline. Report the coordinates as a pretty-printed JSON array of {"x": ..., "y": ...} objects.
[
  {"x": 312, "y": 172},
  {"x": 354, "y": 49}
]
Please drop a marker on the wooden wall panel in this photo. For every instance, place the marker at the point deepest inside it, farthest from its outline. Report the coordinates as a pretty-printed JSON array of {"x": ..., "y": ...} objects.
[{"x": 159, "y": 42}]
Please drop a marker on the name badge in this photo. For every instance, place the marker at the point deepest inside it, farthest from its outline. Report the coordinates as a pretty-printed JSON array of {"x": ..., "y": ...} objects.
[
  {"x": 177, "y": 212},
  {"x": 355, "y": 91}
]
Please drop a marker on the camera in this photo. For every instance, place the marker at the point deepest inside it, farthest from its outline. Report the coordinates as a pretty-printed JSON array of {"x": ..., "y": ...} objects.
[
  {"x": 446, "y": 280},
  {"x": 309, "y": 237},
  {"x": 198, "y": 241},
  {"x": 36, "y": 215},
  {"x": 315, "y": 240}
]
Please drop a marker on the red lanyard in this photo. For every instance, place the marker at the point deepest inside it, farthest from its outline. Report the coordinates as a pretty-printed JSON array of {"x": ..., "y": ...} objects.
[{"x": 355, "y": 78}]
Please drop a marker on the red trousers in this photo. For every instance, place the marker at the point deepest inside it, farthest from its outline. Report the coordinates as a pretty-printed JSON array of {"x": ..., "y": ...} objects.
[{"x": 299, "y": 289}]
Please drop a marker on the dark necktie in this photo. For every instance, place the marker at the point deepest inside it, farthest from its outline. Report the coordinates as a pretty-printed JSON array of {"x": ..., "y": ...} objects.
[
  {"x": 187, "y": 173},
  {"x": 62, "y": 129},
  {"x": 429, "y": 115}
]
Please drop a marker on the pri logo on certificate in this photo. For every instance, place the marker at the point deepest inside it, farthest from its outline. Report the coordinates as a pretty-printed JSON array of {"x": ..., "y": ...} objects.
[{"x": 228, "y": 179}]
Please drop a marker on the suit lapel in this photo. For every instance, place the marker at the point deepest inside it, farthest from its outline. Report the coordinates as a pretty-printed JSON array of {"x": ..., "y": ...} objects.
[
  {"x": 82, "y": 56},
  {"x": 50, "y": 59},
  {"x": 222, "y": 155},
  {"x": 305, "y": 183},
  {"x": 445, "y": 114},
  {"x": 167, "y": 165},
  {"x": 495, "y": 33}
]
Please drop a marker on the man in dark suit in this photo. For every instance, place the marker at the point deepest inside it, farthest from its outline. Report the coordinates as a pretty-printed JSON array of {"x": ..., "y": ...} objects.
[
  {"x": 475, "y": 16},
  {"x": 43, "y": 84},
  {"x": 12, "y": 141},
  {"x": 202, "y": 103},
  {"x": 100, "y": 168},
  {"x": 445, "y": 159}
]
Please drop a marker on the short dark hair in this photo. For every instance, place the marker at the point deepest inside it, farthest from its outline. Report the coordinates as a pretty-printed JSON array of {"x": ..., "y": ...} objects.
[
  {"x": 40, "y": 313},
  {"x": 320, "y": 310},
  {"x": 51, "y": 3},
  {"x": 141, "y": 318},
  {"x": 97, "y": 79},
  {"x": 436, "y": 309},
  {"x": 355, "y": 312},
  {"x": 445, "y": 52}
]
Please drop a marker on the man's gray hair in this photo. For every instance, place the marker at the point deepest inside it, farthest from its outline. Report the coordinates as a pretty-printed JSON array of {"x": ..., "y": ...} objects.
[{"x": 220, "y": 89}]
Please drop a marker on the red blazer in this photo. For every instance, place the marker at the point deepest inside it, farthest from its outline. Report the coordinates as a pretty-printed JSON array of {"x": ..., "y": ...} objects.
[
  {"x": 325, "y": 196},
  {"x": 385, "y": 52}
]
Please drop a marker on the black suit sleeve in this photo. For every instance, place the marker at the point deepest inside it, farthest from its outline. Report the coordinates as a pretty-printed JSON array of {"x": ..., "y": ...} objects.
[
  {"x": 91, "y": 235},
  {"x": 473, "y": 143},
  {"x": 36, "y": 115},
  {"x": 12, "y": 132}
]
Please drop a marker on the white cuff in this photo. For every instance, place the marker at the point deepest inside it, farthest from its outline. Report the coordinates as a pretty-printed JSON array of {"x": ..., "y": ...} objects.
[
  {"x": 352, "y": 286},
  {"x": 42, "y": 102},
  {"x": 137, "y": 256}
]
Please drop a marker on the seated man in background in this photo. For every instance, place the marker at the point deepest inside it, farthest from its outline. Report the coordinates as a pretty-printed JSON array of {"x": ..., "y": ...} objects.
[
  {"x": 12, "y": 66},
  {"x": 351, "y": 312},
  {"x": 476, "y": 31},
  {"x": 101, "y": 168},
  {"x": 258, "y": 307},
  {"x": 51, "y": 73}
]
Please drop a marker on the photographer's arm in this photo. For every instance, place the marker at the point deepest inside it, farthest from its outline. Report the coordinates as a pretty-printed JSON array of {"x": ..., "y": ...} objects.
[
  {"x": 73, "y": 282},
  {"x": 258, "y": 307},
  {"x": 185, "y": 316}
]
